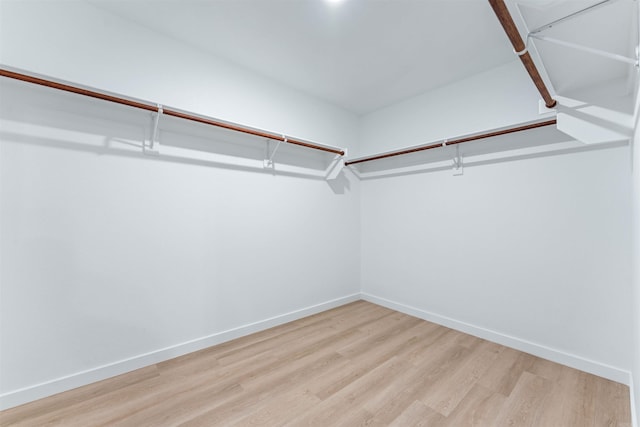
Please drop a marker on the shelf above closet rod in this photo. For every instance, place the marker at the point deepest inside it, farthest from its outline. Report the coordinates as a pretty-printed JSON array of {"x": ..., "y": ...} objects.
[
  {"x": 446, "y": 143},
  {"x": 166, "y": 111}
]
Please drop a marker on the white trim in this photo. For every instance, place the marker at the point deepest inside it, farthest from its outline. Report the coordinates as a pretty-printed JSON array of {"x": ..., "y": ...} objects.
[
  {"x": 596, "y": 368},
  {"x": 632, "y": 401},
  {"x": 38, "y": 391}
]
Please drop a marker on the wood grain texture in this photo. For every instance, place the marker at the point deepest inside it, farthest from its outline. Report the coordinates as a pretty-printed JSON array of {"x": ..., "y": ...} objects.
[
  {"x": 510, "y": 28},
  {"x": 359, "y": 364}
]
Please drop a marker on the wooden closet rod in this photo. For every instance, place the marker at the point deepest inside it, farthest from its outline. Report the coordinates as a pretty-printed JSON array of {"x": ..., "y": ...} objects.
[
  {"x": 446, "y": 143},
  {"x": 520, "y": 49},
  {"x": 168, "y": 112}
]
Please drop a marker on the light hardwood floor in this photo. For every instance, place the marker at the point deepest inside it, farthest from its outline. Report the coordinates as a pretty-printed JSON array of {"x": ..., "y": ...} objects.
[{"x": 359, "y": 364}]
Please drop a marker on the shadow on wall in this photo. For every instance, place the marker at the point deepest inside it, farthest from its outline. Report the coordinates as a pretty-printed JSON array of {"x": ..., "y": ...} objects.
[
  {"x": 31, "y": 115},
  {"x": 341, "y": 184},
  {"x": 600, "y": 114}
]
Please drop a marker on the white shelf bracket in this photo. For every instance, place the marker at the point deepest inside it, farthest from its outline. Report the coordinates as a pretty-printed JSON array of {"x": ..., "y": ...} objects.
[
  {"x": 268, "y": 162},
  {"x": 571, "y": 16},
  {"x": 605, "y": 54},
  {"x": 457, "y": 167},
  {"x": 537, "y": 34},
  {"x": 153, "y": 147}
]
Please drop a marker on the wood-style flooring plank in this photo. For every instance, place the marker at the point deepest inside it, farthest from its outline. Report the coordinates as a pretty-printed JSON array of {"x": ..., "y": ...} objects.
[
  {"x": 417, "y": 414},
  {"x": 370, "y": 356},
  {"x": 358, "y": 364},
  {"x": 478, "y": 409},
  {"x": 46, "y": 409},
  {"x": 444, "y": 359},
  {"x": 612, "y": 404},
  {"x": 449, "y": 391},
  {"x": 279, "y": 409},
  {"x": 524, "y": 407},
  {"x": 351, "y": 399},
  {"x": 504, "y": 373}
]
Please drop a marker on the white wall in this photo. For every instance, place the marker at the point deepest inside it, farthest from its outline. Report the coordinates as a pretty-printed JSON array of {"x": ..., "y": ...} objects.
[
  {"x": 483, "y": 102},
  {"x": 635, "y": 261},
  {"x": 107, "y": 255},
  {"x": 112, "y": 260},
  {"x": 75, "y": 41},
  {"x": 533, "y": 251},
  {"x": 536, "y": 250},
  {"x": 635, "y": 196}
]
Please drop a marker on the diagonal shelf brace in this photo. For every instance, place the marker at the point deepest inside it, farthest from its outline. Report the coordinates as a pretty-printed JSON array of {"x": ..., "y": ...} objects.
[
  {"x": 571, "y": 16},
  {"x": 458, "y": 168},
  {"x": 268, "y": 162},
  {"x": 587, "y": 49},
  {"x": 154, "y": 145}
]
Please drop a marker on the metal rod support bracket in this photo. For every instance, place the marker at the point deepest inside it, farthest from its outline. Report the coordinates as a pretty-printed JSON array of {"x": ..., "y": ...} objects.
[
  {"x": 457, "y": 163},
  {"x": 570, "y": 16},
  {"x": 154, "y": 145},
  {"x": 605, "y": 54},
  {"x": 523, "y": 51},
  {"x": 268, "y": 162}
]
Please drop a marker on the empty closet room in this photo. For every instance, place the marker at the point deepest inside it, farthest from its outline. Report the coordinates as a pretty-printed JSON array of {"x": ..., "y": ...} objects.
[{"x": 313, "y": 212}]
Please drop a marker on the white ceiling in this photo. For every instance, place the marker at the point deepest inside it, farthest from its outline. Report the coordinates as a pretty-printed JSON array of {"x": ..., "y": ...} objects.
[
  {"x": 366, "y": 54},
  {"x": 359, "y": 54}
]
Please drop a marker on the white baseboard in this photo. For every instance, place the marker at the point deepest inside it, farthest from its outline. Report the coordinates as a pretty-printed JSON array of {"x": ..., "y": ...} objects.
[
  {"x": 38, "y": 391},
  {"x": 632, "y": 398},
  {"x": 573, "y": 361}
]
